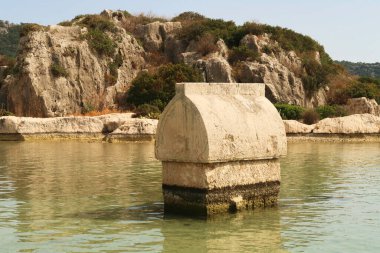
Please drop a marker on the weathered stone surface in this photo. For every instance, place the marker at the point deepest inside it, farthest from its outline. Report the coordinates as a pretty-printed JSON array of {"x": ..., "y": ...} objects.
[
  {"x": 353, "y": 124},
  {"x": 220, "y": 175},
  {"x": 114, "y": 126},
  {"x": 98, "y": 124},
  {"x": 35, "y": 91},
  {"x": 137, "y": 127},
  {"x": 363, "y": 105},
  {"x": 154, "y": 34},
  {"x": 134, "y": 130},
  {"x": 296, "y": 127},
  {"x": 194, "y": 202},
  {"x": 220, "y": 122},
  {"x": 278, "y": 70},
  {"x": 216, "y": 69},
  {"x": 213, "y": 164}
]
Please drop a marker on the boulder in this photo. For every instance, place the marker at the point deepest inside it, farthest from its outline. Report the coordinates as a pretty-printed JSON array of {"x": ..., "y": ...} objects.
[
  {"x": 216, "y": 69},
  {"x": 353, "y": 124},
  {"x": 296, "y": 127},
  {"x": 153, "y": 35},
  {"x": 137, "y": 127},
  {"x": 362, "y": 105}
]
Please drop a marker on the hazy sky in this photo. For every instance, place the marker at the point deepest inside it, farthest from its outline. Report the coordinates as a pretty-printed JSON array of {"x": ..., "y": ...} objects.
[{"x": 348, "y": 29}]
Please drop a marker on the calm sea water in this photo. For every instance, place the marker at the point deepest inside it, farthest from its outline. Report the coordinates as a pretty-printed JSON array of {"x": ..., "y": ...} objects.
[{"x": 94, "y": 197}]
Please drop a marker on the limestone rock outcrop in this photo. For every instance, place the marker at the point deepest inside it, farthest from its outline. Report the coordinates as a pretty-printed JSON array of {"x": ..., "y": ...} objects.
[
  {"x": 88, "y": 80},
  {"x": 84, "y": 78},
  {"x": 296, "y": 127},
  {"x": 362, "y": 105},
  {"x": 277, "y": 68},
  {"x": 353, "y": 124},
  {"x": 135, "y": 129},
  {"x": 111, "y": 126},
  {"x": 216, "y": 69},
  {"x": 28, "y": 125},
  {"x": 155, "y": 34}
]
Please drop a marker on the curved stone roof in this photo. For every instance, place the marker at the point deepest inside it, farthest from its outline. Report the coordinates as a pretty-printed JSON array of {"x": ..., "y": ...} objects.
[{"x": 211, "y": 122}]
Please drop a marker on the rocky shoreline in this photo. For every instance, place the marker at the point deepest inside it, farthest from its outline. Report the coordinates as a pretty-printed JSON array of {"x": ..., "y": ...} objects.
[
  {"x": 353, "y": 128},
  {"x": 109, "y": 128},
  {"x": 122, "y": 127}
]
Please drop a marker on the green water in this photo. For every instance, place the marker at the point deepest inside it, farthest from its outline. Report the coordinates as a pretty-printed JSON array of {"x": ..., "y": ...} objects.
[{"x": 94, "y": 197}]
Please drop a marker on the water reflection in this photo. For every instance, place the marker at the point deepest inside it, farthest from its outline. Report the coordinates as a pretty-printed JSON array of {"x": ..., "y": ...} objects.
[
  {"x": 93, "y": 197},
  {"x": 246, "y": 231}
]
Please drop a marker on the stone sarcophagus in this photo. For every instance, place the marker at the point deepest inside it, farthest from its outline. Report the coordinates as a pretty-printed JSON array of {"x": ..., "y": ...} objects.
[{"x": 220, "y": 146}]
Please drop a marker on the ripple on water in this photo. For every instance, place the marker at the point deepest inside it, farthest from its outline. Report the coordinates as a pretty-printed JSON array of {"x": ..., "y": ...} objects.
[{"x": 99, "y": 197}]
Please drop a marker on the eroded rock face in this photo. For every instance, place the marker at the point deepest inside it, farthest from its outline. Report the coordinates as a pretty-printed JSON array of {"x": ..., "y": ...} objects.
[
  {"x": 216, "y": 69},
  {"x": 277, "y": 69},
  {"x": 296, "y": 127},
  {"x": 87, "y": 81},
  {"x": 154, "y": 34},
  {"x": 362, "y": 105},
  {"x": 85, "y": 78}
]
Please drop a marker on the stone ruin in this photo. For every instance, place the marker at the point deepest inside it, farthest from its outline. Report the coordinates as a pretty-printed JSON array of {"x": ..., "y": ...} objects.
[{"x": 220, "y": 145}]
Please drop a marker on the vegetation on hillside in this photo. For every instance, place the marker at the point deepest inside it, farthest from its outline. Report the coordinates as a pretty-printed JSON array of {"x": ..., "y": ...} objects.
[
  {"x": 151, "y": 92},
  {"x": 309, "y": 115},
  {"x": 9, "y": 38},
  {"x": 362, "y": 87},
  {"x": 361, "y": 68},
  {"x": 315, "y": 76}
]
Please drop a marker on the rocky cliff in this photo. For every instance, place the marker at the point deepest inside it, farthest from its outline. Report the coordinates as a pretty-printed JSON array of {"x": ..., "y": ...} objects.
[
  {"x": 60, "y": 73},
  {"x": 65, "y": 69}
]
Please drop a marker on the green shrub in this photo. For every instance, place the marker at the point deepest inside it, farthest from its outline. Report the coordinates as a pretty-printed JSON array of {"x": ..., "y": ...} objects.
[
  {"x": 368, "y": 90},
  {"x": 366, "y": 79},
  {"x": 57, "y": 70},
  {"x": 331, "y": 111},
  {"x": 65, "y": 23},
  {"x": 87, "y": 108},
  {"x": 206, "y": 44},
  {"x": 189, "y": 16},
  {"x": 310, "y": 116},
  {"x": 243, "y": 53},
  {"x": 159, "y": 88},
  {"x": 28, "y": 28},
  {"x": 4, "y": 112},
  {"x": 219, "y": 28},
  {"x": 287, "y": 111},
  {"x": 316, "y": 74},
  {"x": 9, "y": 41},
  {"x": 98, "y": 22},
  {"x": 147, "y": 111},
  {"x": 113, "y": 66},
  {"x": 101, "y": 42}
]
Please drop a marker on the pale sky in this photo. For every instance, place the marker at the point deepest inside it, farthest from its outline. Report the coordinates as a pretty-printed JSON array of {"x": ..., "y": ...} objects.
[{"x": 348, "y": 29}]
